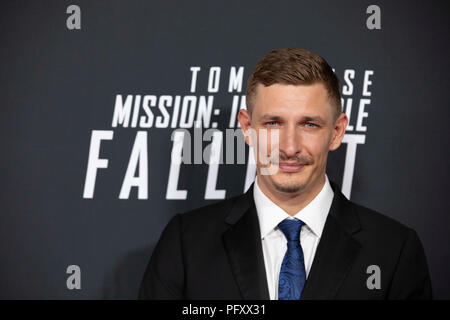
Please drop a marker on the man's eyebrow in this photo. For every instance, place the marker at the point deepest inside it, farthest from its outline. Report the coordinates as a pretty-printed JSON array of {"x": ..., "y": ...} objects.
[
  {"x": 317, "y": 119},
  {"x": 271, "y": 117},
  {"x": 314, "y": 119}
]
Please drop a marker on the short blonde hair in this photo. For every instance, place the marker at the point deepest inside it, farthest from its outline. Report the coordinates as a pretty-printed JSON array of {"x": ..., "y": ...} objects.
[{"x": 294, "y": 66}]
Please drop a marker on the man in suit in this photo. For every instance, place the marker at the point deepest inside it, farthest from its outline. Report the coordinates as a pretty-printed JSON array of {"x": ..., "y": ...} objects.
[{"x": 293, "y": 234}]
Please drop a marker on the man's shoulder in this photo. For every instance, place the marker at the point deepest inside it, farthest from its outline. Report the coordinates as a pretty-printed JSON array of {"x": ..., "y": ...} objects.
[
  {"x": 375, "y": 222},
  {"x": 211, "y": 213}
]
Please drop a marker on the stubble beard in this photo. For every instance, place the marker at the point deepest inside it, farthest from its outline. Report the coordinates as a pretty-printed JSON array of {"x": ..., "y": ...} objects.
[{"x": 289, "y": 186}]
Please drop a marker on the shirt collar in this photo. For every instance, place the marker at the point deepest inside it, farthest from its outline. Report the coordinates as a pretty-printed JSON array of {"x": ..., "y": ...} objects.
[{"x": 313, "y": 215}]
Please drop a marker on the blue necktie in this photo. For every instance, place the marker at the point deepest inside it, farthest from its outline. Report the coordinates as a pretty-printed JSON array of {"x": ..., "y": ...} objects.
[{"x": 292, "y": 275}]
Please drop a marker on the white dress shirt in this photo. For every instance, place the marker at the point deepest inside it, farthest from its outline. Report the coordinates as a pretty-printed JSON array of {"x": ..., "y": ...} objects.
[{"x": 274, "y": 243}]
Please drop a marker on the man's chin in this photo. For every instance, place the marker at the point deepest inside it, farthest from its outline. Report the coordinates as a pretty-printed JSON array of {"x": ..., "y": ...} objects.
[{"x": 289, "y": 186}]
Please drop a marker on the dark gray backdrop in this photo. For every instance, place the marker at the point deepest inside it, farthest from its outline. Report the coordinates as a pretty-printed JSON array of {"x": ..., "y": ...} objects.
[{"x": 58, "y": 85}]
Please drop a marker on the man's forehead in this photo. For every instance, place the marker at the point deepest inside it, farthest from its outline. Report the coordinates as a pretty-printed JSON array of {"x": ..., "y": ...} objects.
[
  {"x": 319, "y": 86},
  {"x": 293, "y": 94},
  {"x": 292, "y": 100}
]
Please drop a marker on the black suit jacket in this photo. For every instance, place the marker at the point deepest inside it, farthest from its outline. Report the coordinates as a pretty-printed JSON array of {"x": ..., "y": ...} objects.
[{"x": 215, "y": 252}]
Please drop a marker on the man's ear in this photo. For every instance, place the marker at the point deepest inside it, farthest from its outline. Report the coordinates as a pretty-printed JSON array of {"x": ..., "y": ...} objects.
[
  {"x": 338, "y": 131},
  {"x": 244, "y": 119}
]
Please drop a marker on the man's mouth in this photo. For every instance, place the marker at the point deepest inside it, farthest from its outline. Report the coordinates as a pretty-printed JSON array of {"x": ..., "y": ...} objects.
[{"x": 291, "y": 166}]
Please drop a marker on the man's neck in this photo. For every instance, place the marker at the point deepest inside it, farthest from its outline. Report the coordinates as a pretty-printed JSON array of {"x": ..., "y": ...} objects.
[{"x": 290, "y": 202}]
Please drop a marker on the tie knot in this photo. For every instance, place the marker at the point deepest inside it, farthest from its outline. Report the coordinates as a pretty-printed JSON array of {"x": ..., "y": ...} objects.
[{"x": 291, "y": 228}]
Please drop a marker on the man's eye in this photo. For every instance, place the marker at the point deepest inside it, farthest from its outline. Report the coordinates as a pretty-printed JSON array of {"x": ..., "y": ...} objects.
[
  {"x": 271, "y": 123},
  {"x": 311, "y": 125}
]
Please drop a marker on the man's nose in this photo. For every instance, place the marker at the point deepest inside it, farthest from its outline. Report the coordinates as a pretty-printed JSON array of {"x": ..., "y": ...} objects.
[{"x": 290, "y": 141}]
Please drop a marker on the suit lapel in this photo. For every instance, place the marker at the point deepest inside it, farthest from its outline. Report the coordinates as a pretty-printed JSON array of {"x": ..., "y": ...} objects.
[
  {"x": 334, "y": 255},
  {"x": 336, "y": 250},
  {"x": 242, "y": 242}
]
